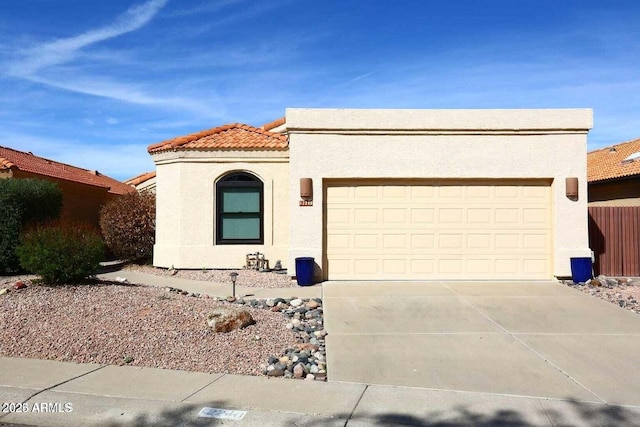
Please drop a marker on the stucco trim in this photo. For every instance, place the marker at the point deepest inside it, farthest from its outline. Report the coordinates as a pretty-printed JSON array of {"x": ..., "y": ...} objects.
[{"x": 408, "y": 120}]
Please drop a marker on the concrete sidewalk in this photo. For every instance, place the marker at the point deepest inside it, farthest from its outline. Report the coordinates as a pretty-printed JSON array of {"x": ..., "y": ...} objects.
[
  {"x": 212, "y": 288},
  {"x": 97, "y": 395}
]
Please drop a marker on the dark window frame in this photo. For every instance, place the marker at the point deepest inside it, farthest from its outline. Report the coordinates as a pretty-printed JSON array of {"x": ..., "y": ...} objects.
[{"x": 238, "y": 180}]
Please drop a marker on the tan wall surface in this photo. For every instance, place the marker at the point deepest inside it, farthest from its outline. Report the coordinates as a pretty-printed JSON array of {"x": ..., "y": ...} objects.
[
  {"x": 80, "y": 202},
  {"x": 185, "y": 197},
  {"x": 494, "y": 144}
]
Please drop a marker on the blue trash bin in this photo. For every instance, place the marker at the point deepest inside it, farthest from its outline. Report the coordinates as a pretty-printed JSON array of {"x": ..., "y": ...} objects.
[
  {"x": 304, "y": 270},
  {"x": 581, "y": 269}
]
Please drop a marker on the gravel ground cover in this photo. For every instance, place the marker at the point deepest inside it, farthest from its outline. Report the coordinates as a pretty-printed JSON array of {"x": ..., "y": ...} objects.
[
  {"x": 623, "y": 292},
  {"x": 115, "y": 324},
  {"x": 248, "y": 278}
]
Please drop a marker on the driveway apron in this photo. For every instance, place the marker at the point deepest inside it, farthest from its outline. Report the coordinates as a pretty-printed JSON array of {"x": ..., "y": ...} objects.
[{"x": 539, "y": 339}]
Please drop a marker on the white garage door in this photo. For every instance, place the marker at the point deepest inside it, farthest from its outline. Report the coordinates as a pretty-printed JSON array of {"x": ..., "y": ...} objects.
[{"x": 413, "y": 230}]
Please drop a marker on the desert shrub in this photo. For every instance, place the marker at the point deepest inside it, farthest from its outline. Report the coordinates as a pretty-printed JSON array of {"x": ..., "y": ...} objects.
[
  {"x": 61, "y": 252},
  {"x": 22, "y": 202},
  {"x": 128, "y": 224}
]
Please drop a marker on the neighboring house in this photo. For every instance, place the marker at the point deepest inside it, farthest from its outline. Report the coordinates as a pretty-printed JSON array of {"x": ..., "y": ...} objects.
[
  {"x": 143, "y": 182},
  {"x": 380, "y": 194},
  {"x": 84, "y": 191},
  {"x": 614, "y": 175}
]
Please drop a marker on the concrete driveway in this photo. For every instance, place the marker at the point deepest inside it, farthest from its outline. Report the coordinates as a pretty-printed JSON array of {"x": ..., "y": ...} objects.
[{"x": 539, "y": 339}]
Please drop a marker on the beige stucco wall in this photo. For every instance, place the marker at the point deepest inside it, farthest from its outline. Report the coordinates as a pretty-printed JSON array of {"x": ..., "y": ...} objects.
[
  {"x": 185, "y": 197},
  {"x": 493, "y": 144}
]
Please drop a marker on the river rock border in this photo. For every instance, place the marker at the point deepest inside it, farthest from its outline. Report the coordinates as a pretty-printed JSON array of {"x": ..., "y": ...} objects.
[
  {"x": 624, "y": 292},
  {"x": 307, "y": 359}
]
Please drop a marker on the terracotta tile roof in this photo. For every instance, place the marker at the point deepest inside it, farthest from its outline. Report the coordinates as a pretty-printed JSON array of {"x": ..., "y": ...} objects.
[
  {"x": 28, "y": 162},
  {"x": 274, "y": 124},
  {"x": 143, "y": 177},
  {"x": 610, "y": 163},
  {"x": 228, "y": 137}
]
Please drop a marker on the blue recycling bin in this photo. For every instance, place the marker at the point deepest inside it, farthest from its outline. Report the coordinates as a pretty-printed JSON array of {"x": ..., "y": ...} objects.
[
  {"x": 581, "y": 269},
  {"x": 304, "y": 270}
]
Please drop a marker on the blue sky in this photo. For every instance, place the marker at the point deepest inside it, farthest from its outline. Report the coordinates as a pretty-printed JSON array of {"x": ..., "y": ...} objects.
[{"x": 93, "y": 83}]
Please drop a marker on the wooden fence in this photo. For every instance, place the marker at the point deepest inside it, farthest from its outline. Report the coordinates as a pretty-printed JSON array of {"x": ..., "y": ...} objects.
[{"x": 614, "y": 236}]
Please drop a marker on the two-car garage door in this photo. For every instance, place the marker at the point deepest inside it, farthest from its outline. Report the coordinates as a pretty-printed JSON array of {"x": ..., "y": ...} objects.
[{"x": 421, "y": 230}]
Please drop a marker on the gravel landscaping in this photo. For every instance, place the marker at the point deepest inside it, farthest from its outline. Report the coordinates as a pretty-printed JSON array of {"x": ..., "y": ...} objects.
[
  {"x": 248, "y": 278},
  {"x": 624, "y": 292},
  {"x": 109, "y": 323}
]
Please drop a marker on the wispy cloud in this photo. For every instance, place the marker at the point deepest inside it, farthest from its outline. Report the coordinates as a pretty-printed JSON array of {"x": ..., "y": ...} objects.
[
  {"x": 56, "y": 64},
  {"x": 60, "y": 51},
  {"x": 208, "y": 7}
]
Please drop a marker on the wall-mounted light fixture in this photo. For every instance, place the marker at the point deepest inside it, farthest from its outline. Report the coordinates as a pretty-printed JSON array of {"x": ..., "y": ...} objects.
[
  {"x": 572, "y": 188},
  {"x": 306, "y": 192},
  {"x": 306, "y": 189}
]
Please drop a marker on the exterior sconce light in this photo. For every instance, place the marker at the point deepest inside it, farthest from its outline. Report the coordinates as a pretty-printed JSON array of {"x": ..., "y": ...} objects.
[
  {"x": 306, "y": 192},
  {"x": 234, "y": 276},
  {"x": 572, "y": 188}
]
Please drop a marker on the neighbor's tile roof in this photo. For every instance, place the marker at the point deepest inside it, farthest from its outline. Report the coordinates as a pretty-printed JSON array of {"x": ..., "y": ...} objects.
[
  {"x": 28, "y": 162},
  {"x": 607, "y": 163},
  {"x": 143, "y": 177},
  {"x": 228, "y": 137}
]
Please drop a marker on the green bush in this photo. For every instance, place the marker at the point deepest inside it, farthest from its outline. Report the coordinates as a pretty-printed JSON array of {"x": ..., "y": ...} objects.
[
  {"x": 23, "y": 201},
  {"x": 61, "y": 252},
  {"x": 128, "y": 224}
]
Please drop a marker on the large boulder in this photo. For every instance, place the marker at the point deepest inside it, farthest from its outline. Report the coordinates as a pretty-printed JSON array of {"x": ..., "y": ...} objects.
[{"x": 229, "y": 319}]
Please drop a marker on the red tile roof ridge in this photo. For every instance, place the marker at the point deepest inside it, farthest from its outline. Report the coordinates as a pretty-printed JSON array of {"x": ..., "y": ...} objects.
[
  {"x": 262, "y": 139},
  {"x": 274, "y": 124},
  {"x": 609, "y": 162},
  {"x": 139, "y": 179},
  {"x": 29, "y": 162}
]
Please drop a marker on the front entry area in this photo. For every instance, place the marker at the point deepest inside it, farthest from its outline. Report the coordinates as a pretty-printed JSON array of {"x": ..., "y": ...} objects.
[{"x": 438, "y": 229}]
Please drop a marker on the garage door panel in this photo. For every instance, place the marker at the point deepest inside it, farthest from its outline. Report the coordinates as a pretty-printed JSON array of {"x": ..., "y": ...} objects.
[{"x": 465, "y": 230}]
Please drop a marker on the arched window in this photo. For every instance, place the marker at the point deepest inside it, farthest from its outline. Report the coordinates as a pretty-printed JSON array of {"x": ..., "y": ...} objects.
[{"x": 239, "y": 212}]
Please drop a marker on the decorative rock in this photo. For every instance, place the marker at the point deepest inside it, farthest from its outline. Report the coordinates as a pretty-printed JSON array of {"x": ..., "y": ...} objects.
[
  {"x": 310, "y": 377},
  {"x": 295, "y": 302},
  {"x": 314, "y": 369},
  {"x": 227, "y": 320},
  {"x": 19, "y": 285},
  {"x": 306, "y": 346},
  {"x": 275, "y": 373},
  {"x": 312, "y": 304},
  {"x": 298, "y": 370}
]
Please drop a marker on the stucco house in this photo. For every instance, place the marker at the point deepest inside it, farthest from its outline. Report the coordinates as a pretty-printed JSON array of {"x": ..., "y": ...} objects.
[
  {"x": 613, "y": 174},
  {"x": 84, "y": 192},
  {"x": 381, "y": 194}
]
